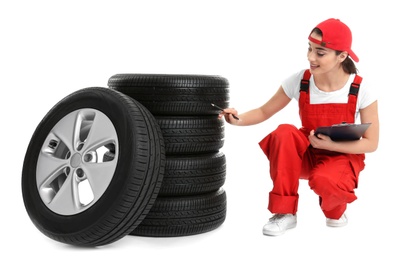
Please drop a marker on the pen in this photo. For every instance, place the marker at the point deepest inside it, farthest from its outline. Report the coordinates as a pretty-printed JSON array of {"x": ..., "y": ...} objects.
[{"x": 220, "y": 108}]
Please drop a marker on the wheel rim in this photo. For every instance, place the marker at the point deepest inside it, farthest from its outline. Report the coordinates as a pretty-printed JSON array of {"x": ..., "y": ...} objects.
[{"x": 71, "y": 174}]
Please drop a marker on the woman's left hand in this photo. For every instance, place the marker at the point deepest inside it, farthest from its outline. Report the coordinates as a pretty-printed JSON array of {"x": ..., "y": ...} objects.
[{"x": 320, "y": 141}]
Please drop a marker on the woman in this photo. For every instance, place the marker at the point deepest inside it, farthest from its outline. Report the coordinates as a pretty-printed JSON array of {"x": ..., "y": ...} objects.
[{"x": 329, "y": 92}]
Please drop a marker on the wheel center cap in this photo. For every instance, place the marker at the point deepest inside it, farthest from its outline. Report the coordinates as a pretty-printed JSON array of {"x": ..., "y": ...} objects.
[{"x": 75, "y": 160}]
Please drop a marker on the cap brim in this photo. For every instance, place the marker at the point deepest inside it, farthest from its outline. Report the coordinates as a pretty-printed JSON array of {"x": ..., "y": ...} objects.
[{"x": 353, "y": 56}]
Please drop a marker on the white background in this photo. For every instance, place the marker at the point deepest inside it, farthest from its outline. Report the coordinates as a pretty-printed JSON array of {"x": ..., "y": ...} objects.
[{"x": 50, "y": 49}]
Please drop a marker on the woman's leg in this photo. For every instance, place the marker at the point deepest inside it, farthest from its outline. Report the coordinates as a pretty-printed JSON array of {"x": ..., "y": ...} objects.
[
  {"x": 334, "y": 179},
  {"x": 285, "y": 148}
]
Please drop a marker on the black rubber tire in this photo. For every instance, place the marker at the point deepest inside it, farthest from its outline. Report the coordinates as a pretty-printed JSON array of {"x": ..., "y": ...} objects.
[
  {"x": 135, "y": 183},
  {"x": 167, "y": 94},
  {"x": 191, "y": 134},
  {"x": 193, "y": 174},
  {"x": 184, "y": 215},
  {"x": 190, "y": 174}
]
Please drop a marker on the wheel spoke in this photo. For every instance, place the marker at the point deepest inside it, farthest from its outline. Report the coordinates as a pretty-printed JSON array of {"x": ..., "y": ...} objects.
[
  {"x": 101, "y": 132},
  {"x": 67, "y": 129},
  {"x": 99, "y": 176},
  {"x": 48, "y": 168},
  {"x": 66, "y": 201}
]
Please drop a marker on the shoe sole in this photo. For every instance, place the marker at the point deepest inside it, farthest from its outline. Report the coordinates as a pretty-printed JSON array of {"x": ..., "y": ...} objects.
[
  {"x": 336, "y": 225},
  {"x": 273, "y": 233}
]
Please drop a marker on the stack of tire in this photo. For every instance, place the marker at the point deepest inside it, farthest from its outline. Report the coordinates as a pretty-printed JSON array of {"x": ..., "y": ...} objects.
[
  {"x": 140, "y": 157},
  {"x": 191, "y": 199}
]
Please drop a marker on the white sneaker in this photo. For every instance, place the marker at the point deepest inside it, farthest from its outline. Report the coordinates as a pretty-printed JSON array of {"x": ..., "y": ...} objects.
[
  {"x": 341, "y": 222},
  {"x": 278, "y": 224}
]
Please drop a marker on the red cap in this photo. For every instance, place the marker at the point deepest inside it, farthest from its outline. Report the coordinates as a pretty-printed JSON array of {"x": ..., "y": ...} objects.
[{"x": 336, "y": 36}]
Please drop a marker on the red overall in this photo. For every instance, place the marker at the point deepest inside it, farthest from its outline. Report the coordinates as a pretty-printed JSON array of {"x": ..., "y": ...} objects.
[{"x": 332, "y": 176}]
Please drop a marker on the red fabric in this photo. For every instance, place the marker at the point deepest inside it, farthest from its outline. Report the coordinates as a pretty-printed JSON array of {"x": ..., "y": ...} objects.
[
  {"x": 332, "y": 176},
  {"x": 336, "y": 36}
]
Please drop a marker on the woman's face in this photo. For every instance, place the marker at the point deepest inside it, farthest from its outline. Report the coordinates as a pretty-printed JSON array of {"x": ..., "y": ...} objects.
[{"x": 322, "y": 59}]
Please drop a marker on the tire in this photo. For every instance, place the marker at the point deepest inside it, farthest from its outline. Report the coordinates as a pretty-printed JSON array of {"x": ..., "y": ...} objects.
[
  {"x": 193, "y": 174},
  {"x": 67, "y": 150},
  {"x": 166, "y": 94},
  {"x": 184, "y": 216},
  {"x": 191, "y": 134},
  {"x": 190, "y": 174}
]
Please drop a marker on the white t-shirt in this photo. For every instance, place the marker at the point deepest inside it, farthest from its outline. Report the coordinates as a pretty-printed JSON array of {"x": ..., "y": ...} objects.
[{"x": 291, "y": 87}]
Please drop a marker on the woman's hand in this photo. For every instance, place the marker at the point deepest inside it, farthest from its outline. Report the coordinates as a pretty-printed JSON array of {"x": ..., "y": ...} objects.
[
  {"x": 228, "y": 114},
  {"x": 320, "y": 141}
]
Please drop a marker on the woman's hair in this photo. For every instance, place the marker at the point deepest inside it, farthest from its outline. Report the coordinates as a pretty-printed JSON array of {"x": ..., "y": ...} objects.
[{"x": 348, "y": 64}]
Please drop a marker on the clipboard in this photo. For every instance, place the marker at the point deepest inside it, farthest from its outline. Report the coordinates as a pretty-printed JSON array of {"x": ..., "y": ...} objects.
[{"x": 343, "y": 131}]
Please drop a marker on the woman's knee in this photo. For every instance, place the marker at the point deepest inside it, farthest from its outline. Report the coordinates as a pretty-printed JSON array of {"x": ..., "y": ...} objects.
[{"x": 285, "y": 130}]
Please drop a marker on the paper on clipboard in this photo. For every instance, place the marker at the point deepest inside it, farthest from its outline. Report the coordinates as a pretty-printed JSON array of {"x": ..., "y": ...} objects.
[{"x": 343, "y": 131}]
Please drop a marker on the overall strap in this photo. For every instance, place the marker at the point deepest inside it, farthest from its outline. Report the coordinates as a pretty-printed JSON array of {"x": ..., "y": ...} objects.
[
  {"x": 354, "y": 88},
  {"x": 353, "y": 94},
  {"x": 305, "y": 82},
  {"x": 304, "y": 90}
]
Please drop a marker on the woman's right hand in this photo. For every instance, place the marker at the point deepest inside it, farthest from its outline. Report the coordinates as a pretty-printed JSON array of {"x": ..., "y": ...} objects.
[{"x": 230, "y": 115}]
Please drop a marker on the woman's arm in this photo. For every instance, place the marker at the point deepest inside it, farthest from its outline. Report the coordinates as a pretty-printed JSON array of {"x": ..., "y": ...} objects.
[
  {"x": 260, "y": 114},
  {"x": 367, "y": 144}
]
